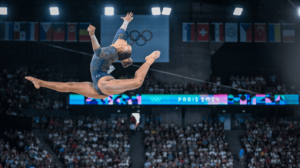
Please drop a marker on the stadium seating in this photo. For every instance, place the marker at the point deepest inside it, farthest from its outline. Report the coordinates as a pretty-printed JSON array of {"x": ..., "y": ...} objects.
[{"x": 200, "y": 145}]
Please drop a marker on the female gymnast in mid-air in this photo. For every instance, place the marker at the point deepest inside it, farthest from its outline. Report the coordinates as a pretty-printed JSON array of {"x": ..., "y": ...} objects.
[{"x": 103, "y": 83}]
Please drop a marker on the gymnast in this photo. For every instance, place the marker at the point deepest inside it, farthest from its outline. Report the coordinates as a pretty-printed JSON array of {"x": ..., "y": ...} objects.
[{"x": 103, "y": 83}]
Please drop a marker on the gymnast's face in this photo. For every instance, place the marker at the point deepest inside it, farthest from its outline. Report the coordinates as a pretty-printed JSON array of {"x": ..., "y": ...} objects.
[{"x": 121, "y": 45}]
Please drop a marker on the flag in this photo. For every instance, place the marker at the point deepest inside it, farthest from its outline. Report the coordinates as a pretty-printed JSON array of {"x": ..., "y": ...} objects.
[
  {"x": 245, "y": 32},
  {"x": 6, "y": 30},
  {"x": 288, "y": 32},
  {"x": 188, "y": 32},
  {"x": 231, "y": 32},
  {"x": 202, "y": 32},
  {"x": 216, "y": 32},
  {"x": 58, "y": 31},
  {"x": 260, "y": 32},
  {"x": 20, "y": 31},
  {"x": 32, "y": 33},
  {"x": 274, "y": 32},
  {"x": 83, "y": 33},
  {"x": 46, "y": 31},
  {"x": 71, "y": 30}
]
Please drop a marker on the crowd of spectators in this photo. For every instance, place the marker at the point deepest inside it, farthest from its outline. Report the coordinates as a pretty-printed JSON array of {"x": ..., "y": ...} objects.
[
  {"x": 202, "y": 144},
  {"x": 27, "y": 153},
  {"x": 283, "y": 89},
  {"x": 256, "y": 84},
  {"x": 273, "y": 143},
  {"x": 17, "y": 93},
  {"x": 240, "y": 84},
  {"x": 40, "y": 122},
  {"x": 153, "y": 86},
  {"x": 10, "y": 157},
  {"x": 259, "y": 84},
  {"x": 90, "y": 142},
  {"x": 279, "y": 89}
]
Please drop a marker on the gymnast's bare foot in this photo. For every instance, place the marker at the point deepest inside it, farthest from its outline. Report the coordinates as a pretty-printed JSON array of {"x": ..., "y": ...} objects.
[
  {"x": 37, "y": 83},
  {"x": 91, "y": 29},
  {"x": 152, "y": 57}
]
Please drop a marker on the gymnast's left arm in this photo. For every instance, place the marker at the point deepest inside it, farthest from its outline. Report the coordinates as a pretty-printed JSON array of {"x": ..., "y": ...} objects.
[
  {"x": 95, "y": 44},
  {"x": 127, "y": 19}
]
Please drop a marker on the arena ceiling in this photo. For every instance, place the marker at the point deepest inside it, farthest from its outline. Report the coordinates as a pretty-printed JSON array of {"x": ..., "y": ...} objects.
[{"x": 254, "y": 10}]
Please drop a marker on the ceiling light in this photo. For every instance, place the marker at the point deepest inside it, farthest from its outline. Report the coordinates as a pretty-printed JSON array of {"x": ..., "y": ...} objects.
[
  {"x": 3, "y": 10},
  {"x": 109, "y": 11},
  {"x": 238, "y": 11},
  {"x": 54, "y": 11},
  {"x": 156, "y": 11},
  {"x": 166, "y": 11}
]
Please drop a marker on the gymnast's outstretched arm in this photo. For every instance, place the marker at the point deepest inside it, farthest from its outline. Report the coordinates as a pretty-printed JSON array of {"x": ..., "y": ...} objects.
[
  {"x": 128, "y": 18},
  {"x": 91, "y": 29}
]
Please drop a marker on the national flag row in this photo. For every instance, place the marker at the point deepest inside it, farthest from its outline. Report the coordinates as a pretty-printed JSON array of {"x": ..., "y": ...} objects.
[
  {"x": 44, "y": 31},
  {"x": 248, "y": 32}
]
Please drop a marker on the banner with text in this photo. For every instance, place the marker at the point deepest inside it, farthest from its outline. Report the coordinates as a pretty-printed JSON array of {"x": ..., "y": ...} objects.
[{"x": 188, "y": 99}]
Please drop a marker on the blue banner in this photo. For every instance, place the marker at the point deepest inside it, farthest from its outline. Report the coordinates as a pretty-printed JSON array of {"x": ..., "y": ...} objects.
[
  {"x": 146, "y": 33},
  {"x": 188, "y": 99}
]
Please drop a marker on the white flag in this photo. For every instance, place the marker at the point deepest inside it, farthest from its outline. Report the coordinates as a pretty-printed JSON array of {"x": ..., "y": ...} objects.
[{"x": 231, "y": 33}]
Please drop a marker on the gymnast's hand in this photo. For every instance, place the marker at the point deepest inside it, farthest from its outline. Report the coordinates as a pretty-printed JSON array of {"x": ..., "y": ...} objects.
[
  {"x": 91, "y": 29},
  {"x": 128, "y": 17}
]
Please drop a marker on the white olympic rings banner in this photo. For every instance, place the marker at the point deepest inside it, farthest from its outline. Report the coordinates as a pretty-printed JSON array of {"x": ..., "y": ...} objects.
[{"x": 146, "y": 33}]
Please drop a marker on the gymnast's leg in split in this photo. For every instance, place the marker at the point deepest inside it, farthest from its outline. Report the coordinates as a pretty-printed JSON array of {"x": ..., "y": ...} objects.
[{"x": 107, "y": 86}]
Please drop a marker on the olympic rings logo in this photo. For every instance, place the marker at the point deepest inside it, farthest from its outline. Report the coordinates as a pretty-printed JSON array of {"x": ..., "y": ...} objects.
[{"x": 135, "y": 36}]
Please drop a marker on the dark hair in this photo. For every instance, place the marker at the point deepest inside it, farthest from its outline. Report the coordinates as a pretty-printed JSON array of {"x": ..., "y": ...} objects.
[{"x": 124, "y": 55}]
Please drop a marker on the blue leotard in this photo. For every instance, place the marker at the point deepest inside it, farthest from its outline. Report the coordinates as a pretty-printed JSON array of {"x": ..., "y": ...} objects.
[{"x": 102, "y": 59}]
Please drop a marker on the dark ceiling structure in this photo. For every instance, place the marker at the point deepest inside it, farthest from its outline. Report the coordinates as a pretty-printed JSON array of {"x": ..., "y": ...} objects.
[{"x": 79, "y": 10}]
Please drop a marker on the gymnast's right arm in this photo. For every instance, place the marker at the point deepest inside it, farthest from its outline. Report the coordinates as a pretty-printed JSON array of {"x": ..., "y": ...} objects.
[{"x": 96, "y": 46}]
